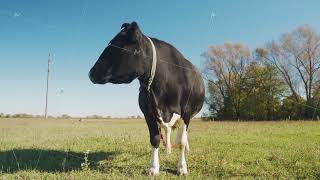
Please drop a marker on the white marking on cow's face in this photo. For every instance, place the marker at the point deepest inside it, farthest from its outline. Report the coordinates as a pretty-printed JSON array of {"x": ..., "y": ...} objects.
[
  {"x": 182, "y": 143},
  {"x": 154, "y": 163}
]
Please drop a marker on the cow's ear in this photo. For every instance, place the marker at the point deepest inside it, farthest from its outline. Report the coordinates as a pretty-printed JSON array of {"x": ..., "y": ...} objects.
[
  {"x": 134, "y": 32},
  {"x": 125, "y": 25},
  {"x": 134, "y": 25}
]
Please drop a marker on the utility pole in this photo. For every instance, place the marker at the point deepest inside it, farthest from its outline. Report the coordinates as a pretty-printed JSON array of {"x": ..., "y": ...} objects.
[{"x": 47, "y": 91}]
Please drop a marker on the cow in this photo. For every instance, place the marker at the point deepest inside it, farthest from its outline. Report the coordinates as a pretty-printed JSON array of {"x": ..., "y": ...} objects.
[{"x": 171, "y": 88}]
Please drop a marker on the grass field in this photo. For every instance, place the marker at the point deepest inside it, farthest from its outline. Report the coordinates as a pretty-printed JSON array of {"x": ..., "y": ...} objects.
[{"x": 120, "y": 149}]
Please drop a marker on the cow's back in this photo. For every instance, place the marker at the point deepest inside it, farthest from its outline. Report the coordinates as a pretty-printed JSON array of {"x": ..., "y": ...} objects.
[{"x": 179, "y": 80}]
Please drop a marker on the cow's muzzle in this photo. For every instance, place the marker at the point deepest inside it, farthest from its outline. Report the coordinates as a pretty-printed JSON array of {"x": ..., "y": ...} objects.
[{"x": 97, "y": 78}]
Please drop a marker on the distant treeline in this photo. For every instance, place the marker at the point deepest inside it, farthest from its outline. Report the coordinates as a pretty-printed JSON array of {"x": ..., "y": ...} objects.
[
  {"x": 20, "y": 115},
  {"x": 63, "y": 116},
  {"x": 109, "y": 117},
  {"x": 278, "y": 81}
]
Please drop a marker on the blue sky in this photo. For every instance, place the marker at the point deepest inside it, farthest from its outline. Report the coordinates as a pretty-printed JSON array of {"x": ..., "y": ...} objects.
[{"x": 76, "y": 32}]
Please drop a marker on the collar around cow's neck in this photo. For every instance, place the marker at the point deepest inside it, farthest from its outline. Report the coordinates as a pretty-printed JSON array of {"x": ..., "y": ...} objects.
[{"x": 154, "y": 65}]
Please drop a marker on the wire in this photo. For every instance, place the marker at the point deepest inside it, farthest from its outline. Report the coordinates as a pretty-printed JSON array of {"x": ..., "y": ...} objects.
[{"x": 160, "y": 59}]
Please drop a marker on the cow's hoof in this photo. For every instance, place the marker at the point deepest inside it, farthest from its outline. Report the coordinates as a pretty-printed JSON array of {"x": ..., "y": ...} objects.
[
  {"x": 153, "y": 171},
  {"x": 181, "y": 173},
  {"x": 182, "y": 170}
]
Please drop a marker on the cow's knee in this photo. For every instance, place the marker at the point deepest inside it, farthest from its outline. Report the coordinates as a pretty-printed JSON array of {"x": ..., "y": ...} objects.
[{"x": 155, "y": 140}]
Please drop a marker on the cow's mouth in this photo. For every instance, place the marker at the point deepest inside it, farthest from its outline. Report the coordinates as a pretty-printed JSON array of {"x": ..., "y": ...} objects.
[
  {"x": 103, "y": 80},
  {"x": 122, "y": 79}
]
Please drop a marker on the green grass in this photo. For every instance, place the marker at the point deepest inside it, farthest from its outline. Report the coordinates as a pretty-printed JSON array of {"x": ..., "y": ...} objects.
[{"x": 120, "y": 149}]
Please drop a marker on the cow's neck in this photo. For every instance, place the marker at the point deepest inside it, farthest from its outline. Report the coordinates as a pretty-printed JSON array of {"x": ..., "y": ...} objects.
[
  {"x": 153, "y": 65},
  {"x": 150, "y": 82},
  {"x": 150, "y": 66}
]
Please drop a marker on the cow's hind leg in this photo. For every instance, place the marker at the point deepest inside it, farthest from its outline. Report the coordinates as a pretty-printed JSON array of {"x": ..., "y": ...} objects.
[
  {"x": 187, "y": 146},
  {"x": 155, "y": 141},
  {"x": 182, "y": 143},
  {"x": 168, "y": 127},
  {"x": 168, "y": 142}
]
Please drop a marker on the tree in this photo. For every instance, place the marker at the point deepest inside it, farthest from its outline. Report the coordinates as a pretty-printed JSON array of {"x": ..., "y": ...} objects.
[
  {"x": 65, "y": 116},
  {"x": 290, "y": 109},
  {"x": 241, "y": 87},
  {"x": 297, "y": 57},
  {"x": 225, "y": 69},
  {"x": 264, "y": 92}
]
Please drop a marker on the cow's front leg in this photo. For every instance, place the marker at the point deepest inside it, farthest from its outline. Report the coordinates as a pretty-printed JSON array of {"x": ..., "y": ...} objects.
[
  {"x": 182, "y": 142},
  {"x": 154, "y": 162},
  {"x": 155, "y": 141}
]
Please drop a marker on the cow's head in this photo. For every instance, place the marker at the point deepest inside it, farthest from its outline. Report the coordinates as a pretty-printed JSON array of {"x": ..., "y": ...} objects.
[{"x": 122, "y": 60}]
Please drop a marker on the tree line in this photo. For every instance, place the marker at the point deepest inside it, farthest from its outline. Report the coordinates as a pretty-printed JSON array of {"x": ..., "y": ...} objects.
[
  {"x": 65, "y": 116},
  {"x": 278, "y": 81}
]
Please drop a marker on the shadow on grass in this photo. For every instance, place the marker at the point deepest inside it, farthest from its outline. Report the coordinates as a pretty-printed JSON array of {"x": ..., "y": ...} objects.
[
  {"x": 171, "y": 171},
  {"x": 49, "y": 160}
]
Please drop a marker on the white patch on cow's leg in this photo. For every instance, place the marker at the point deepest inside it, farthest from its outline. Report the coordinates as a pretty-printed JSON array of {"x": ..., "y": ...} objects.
[
  {"x": 173, "y": 120},
  {"x": 187, "y": 145},
  {"x": 168, "y": 141},
  {"x": 182, "y": 141},
  {"x": 154, "y": 163},
  {"x": 167, "y": 128}
]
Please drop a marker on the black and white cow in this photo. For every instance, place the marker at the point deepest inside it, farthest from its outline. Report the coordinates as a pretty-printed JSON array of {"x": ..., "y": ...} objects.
[{"x": 171, "y": 89}]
